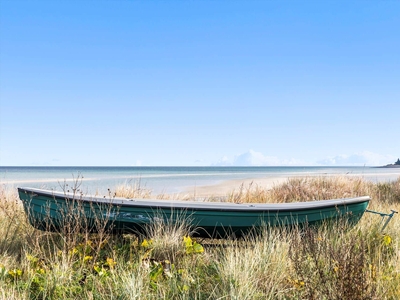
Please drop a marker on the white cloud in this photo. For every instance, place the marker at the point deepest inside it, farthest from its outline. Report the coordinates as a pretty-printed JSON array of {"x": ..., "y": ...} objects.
[
  {"x": 253, "y": 158},
  {"x": 358, "y": 159}
]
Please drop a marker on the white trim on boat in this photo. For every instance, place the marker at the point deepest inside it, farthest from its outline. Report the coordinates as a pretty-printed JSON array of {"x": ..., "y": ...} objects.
[{"x": 197, "y": 205}]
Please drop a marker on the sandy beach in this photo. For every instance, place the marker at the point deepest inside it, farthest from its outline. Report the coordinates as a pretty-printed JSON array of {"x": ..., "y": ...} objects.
[
  {"x": 187, "y": 181},
  {"x": 230, "y": 186}
]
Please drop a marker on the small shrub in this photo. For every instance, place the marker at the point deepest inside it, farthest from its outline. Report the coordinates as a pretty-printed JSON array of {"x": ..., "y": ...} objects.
[{"x": 329, "y": 269}]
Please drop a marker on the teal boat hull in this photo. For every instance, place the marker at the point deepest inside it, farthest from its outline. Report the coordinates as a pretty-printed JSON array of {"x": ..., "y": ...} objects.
[{"x": 58, "y": 211}]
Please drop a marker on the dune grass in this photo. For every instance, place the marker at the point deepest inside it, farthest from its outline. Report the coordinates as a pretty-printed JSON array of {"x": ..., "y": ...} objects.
[{"x": 329, "y": 263}]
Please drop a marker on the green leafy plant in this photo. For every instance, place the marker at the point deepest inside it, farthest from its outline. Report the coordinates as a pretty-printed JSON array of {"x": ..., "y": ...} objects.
[{"x": 192, "y": 247}]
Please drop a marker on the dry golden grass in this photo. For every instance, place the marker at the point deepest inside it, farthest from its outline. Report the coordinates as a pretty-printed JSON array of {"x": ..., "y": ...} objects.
[
  {"x": 132, "y": 191},
  {"x": 304, "y": 189},
  {"x": 276, "y": 264}
]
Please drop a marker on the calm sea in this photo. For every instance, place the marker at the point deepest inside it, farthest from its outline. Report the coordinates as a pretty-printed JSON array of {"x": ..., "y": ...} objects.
[{"x": 166, "y": 179}]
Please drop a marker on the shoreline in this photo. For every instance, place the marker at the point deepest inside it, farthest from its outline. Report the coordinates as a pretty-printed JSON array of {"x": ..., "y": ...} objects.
[
  {"x": 202, "y": 185},
  {"x": 227, "y": 187}
]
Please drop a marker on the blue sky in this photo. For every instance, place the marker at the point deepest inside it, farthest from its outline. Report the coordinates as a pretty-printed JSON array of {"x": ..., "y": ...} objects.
[{"x": 199, "y": 82}]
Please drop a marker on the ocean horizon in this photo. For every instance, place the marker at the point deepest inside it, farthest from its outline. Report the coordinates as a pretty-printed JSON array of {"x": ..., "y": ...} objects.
[{"x": 98, "y": 179}]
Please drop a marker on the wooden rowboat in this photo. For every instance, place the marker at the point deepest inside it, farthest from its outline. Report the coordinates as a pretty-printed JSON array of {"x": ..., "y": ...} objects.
[{"x": 52, "y": 211}]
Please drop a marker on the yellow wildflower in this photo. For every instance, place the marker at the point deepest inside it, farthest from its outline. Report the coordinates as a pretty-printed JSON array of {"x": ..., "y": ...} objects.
[
  {"x": 147, "y": 243},
  {"x": 73, "y": 251},
  {"x": 387, "y": 240},
  {"x": 87, "y": 258},
  {"x": 31, "y": 258},
  {"x": 110, "y": 262},
  {"x": 15, "y": 273}
]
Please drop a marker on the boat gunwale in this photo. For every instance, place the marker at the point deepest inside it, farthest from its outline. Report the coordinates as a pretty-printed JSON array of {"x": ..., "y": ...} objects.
[{"x": 201, "y": 205}]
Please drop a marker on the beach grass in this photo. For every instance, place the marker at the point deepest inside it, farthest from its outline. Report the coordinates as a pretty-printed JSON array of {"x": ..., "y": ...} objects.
[{"x": 362, "y": 262}]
